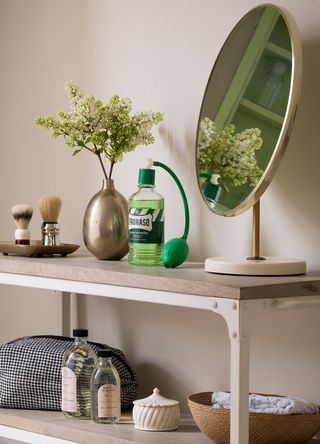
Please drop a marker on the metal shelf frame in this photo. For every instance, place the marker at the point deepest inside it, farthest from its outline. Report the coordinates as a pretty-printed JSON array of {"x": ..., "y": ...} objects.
[{"x": 239, "y": 315}]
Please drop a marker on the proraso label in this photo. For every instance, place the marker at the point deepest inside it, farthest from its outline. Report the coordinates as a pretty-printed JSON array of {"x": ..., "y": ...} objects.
[{"x": 146, "y": 225}]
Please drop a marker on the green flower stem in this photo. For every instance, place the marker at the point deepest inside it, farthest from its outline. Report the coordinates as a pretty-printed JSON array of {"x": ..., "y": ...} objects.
[
  {"x": 111, "y": 169},
  {"x": 101, "y": 163}
]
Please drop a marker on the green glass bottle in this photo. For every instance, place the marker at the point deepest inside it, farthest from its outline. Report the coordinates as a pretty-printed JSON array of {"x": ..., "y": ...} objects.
[{"x": 146, "y": 222}]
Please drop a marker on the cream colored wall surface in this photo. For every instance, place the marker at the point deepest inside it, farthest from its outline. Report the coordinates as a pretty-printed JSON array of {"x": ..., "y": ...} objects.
[{"x": 160, "y": 54}]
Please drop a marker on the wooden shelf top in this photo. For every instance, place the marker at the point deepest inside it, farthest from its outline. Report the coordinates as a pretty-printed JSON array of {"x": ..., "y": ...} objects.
[
  {"x": 54, "y": 424},
  {"x": 189, "y": 279}
]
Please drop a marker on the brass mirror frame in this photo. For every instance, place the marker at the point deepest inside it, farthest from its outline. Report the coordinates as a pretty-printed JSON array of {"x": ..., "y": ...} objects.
[{"x": 293, "y": 100}]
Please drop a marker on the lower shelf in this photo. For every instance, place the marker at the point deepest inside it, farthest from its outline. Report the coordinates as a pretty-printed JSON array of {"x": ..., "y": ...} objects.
[{"x": 54, "y": 424}]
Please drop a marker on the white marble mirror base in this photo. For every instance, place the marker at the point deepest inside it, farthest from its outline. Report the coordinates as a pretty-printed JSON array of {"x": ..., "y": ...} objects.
[{"x": 270, "y": 266}]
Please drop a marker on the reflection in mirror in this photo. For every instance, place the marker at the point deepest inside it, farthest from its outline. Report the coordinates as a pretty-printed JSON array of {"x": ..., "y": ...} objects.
[{"x": 244, "y": 110}]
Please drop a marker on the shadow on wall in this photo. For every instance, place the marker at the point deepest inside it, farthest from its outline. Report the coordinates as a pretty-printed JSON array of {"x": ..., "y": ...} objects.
[
  {"x": 156, "y": 339},
  {"x": 285, "y": 353},
  {"x": 295, "y": 189},
  {"x": 197, "y": 241},
  {"x": 299, "y": 173},
  {"x": 154, "y": 376},
  {"x": 182, "y": 155},
  {"x": 106, "y": 325},
  {"x": 203, "y": 239}
]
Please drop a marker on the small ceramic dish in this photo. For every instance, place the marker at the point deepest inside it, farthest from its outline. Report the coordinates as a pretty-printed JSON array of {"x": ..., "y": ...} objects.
[{"x": 156, "y": 413}]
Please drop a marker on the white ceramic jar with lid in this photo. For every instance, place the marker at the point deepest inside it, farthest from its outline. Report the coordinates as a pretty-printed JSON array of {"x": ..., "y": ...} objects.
[{"x": 156, "y": 413}]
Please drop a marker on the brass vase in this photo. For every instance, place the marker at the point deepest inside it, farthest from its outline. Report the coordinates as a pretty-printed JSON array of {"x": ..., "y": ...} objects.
[{"x": 105, "y": 224}]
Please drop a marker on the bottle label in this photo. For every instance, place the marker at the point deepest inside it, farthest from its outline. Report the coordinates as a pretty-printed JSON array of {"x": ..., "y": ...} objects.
[
  {"x": 146, "y": 225},
  {"x": 108, "y": 401},
  {"x": 69, "y": 390}
]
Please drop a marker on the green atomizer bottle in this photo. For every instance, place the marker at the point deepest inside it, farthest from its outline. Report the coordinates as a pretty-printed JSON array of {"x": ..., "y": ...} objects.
[{"x": 146, "y": 221}]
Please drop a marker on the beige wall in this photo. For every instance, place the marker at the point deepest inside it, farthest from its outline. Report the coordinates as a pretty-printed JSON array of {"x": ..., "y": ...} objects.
[{"x": 159, "y": 54}]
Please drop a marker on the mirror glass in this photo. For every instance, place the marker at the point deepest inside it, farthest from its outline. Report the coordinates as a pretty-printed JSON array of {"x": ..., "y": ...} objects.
[{"x": 247, "y": 110}]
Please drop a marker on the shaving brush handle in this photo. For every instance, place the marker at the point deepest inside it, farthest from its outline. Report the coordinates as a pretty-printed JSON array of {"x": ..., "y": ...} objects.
[
  {"x": 22, "y": 236},
  {"x": 50, "y": 233}
]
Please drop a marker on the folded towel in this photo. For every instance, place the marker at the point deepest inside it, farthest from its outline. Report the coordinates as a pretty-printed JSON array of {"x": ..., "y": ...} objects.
[{"x": 269, "y": 404}]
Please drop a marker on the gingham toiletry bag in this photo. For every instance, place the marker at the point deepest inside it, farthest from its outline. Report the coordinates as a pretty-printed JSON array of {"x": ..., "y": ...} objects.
[{"x": 30, "y": 372}]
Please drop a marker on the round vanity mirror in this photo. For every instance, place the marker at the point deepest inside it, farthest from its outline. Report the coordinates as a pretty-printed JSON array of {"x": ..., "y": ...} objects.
[
  {"x": 244, "y": 125},
  {"x": 247, "y": 110}
]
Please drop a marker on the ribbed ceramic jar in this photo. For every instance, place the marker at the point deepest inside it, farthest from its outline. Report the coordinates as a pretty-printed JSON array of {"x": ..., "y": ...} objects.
[
  {"x": 156, "y": 413},
  {"x": 105, "y": 224}
]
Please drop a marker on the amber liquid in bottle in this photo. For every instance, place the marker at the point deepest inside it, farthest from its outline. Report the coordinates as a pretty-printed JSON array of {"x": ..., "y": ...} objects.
[
  {"x": 77, "y": 368},
  {"x": 105, "y": 390}
]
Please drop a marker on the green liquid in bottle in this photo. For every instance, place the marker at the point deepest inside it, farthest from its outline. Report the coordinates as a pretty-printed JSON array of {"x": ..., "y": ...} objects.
[{"x": 146, "y": 227}]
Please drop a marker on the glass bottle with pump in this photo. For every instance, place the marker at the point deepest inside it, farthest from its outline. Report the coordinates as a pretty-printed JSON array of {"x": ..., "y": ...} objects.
[
  {"x": 105, "y": 390},
  {"x": 146, "y": 221},
  {"x": 78, "y": 364}
]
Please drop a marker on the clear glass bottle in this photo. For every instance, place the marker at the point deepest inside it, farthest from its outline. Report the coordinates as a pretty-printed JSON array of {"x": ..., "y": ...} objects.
[
  {"x": 146, "y": 222},
  {"x": 275, "y": 89},
  {"x": 78, "y": 364},
  {"x": 105, "y": 390}
]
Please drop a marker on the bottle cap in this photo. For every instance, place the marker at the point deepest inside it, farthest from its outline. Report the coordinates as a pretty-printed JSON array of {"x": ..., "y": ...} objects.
[
  {"x": 80, "y": 333},
  {"x": 156, "y": 400},
  {"x": 104, "y": 354},
  {"x": 146, "y": 176}
]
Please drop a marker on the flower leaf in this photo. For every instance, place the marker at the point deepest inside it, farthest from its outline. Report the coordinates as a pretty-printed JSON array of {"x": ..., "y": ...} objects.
[{"x": 75, "y": 152}]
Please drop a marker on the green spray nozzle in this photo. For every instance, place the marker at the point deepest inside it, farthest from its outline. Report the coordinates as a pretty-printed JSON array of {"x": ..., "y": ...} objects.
[
  {"x": 205, "y": 176},
  {"x": 176, "y": 250}
]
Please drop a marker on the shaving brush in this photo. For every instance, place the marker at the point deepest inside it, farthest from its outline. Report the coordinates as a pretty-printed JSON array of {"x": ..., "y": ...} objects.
[
  {"x": 50, "y": 207},
  {"x": 22, "y": 215}
]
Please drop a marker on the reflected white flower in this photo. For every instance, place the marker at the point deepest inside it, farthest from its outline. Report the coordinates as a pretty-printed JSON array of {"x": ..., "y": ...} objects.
[{"x": 230, "y": 155}]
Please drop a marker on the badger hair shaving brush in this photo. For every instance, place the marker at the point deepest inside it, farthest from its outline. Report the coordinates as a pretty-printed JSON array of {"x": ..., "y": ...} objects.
[
  {"x": 50, "y": 207},
  {"x": 22, "y": 215}
]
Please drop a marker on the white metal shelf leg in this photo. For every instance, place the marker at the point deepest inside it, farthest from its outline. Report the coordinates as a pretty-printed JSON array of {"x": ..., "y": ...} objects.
[
  {"x": 239, "y": 426},
  {"x": 74, "y": 311},
  {"x": 69, "y": 314},
  {"x": 65, "y": 313},
  {"x": 239, "y": 316}
]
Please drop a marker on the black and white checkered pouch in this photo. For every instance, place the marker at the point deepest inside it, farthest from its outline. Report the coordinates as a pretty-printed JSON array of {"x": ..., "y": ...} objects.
[{"x": 30, "y": 372}]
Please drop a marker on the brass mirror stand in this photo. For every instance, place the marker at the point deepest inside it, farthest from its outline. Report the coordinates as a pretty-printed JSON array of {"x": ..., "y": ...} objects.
[
  {"x": 256, "y": 233},
  {"x": 256, "y": 265}
]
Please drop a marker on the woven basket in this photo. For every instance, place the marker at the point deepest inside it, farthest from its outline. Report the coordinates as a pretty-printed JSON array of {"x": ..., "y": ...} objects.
[{"x": 264, "y": 428}]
